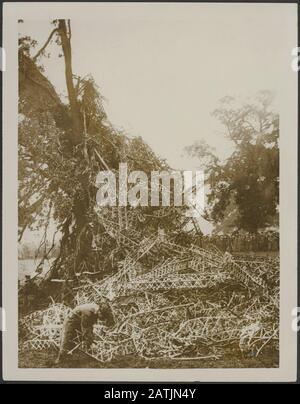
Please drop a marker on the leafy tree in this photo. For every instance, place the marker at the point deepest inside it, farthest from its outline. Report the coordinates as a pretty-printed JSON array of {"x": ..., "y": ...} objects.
[{"x": 244, "y": 190}]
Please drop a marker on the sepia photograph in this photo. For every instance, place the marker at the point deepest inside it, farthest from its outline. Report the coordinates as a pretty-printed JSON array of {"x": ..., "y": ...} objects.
[{"x": 149, "y": 162}]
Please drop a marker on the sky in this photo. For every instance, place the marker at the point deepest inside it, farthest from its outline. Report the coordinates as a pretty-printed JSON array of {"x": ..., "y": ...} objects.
[{"x": 162, "y": 70}]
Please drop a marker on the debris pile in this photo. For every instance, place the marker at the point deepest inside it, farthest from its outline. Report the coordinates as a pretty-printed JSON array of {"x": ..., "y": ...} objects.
[
  {"x": 42, "y": 329},
  {"x": 174, "y": 302}
]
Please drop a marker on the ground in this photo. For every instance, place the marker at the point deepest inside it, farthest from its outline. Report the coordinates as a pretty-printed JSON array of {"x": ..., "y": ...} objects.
[{"x": 231, "y": 359}]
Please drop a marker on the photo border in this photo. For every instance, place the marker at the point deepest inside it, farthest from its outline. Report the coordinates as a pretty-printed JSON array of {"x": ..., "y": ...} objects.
[{"x": 9, "y": 255}]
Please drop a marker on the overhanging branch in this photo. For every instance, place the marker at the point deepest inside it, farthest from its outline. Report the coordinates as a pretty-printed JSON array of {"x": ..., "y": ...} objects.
[{"x": 45, "y": 46}]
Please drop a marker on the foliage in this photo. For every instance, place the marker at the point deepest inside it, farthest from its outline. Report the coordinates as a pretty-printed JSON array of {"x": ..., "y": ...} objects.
[{"x": 246, "y": 185}]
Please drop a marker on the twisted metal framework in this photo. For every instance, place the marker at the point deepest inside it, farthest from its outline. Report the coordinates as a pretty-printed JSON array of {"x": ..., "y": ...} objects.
[
  {"x": 43, "y": 328},
  {"x": 172, "y": 281},
  {"x": 150, "y": 325}
]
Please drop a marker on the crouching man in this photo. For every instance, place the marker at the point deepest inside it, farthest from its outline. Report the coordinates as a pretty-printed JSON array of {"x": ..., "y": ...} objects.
[{"x": 81, "y": 321}]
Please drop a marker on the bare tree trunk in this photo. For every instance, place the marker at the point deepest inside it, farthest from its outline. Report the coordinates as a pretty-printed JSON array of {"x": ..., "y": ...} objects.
[
  {"x": 76, "y": 243},
  {"x": 64, "y": 31}
]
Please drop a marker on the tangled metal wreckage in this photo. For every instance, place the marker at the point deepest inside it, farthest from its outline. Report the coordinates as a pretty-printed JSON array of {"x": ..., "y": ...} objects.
[{"x": 173, "y": 302}]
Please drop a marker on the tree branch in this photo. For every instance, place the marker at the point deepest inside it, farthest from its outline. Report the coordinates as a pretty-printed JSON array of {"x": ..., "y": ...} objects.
[
  {"x": 69, "y": 29},
  {"x": 45, "y": 46}
]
